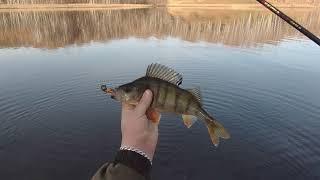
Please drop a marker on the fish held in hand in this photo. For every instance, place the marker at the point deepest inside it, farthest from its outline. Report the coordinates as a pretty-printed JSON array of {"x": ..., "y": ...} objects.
[{"x": 168, "y": 96}]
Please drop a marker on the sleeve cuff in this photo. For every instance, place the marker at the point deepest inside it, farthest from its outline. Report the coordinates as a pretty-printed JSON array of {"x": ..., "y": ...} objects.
[{"x": 134, "y": 161}]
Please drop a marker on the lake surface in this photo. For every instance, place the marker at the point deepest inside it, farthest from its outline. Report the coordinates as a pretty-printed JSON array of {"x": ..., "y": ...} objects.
[{"x": 258, "y": 76}]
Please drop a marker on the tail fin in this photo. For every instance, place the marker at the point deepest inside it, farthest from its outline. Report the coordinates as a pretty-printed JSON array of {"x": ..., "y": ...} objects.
[{"x": 216, "y": 130}]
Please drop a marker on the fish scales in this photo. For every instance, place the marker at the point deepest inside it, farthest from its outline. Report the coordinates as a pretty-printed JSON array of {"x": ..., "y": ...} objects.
[
  {"x": 154, "y": 87},
  {"x": 169, "y": 97},
  {"x": 170, "y": 100},
  {"x": 161, "y": 95}
]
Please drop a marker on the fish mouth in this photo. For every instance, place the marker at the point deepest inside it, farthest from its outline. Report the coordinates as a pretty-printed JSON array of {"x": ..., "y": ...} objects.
[{"x": 109, "y": 91}]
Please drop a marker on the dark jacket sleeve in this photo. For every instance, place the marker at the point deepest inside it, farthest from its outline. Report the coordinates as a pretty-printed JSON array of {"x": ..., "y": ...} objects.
[{"x": 126, "y": 165}]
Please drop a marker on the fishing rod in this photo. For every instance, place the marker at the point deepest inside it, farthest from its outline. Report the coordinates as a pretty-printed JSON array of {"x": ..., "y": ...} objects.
[{"x": 290, "y": 21}]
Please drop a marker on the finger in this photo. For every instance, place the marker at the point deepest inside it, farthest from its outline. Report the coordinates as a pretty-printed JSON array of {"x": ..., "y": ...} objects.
[{"x": 145, "y": 102}]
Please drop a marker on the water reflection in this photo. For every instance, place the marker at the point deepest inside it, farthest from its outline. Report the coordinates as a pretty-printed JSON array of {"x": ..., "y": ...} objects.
[
  {"x": 55, "y": 123},
  {"x": 244, "y": 28}
]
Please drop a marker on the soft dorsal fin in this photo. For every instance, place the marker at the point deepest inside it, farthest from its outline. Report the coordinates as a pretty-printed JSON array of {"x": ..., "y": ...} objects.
[
  {"x": 196, "y": 93},
  {"x": 165, "y": 73}
]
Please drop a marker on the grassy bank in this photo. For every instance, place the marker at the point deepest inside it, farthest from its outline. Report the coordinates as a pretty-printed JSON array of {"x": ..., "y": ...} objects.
[
  {"x": 241, "y": 6},
  {"x": 54, "y": 29},
  {"x": 70, "y": 6},
  {"x": 77, "y": 6}
]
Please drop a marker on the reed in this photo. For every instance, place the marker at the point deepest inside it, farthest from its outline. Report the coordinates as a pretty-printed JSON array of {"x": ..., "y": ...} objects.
[
  {"x": 153, "y": 1},
  {"x": 43, "y": 29}
]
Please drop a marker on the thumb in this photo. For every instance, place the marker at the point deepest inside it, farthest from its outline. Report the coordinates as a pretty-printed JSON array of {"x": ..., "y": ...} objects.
[{"x": 145, "y": 102}]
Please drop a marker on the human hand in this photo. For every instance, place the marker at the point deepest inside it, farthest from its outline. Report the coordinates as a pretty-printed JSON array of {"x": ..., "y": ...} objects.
[{"x": 137, "y": 131}]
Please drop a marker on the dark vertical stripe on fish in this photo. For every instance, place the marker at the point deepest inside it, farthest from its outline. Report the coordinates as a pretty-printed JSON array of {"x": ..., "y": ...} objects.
[
  {"x": 162, "y": 94},
  {"x": 170, "y": 98},
  {"x": 185, "y": 109},
  {"x": 156, "y": 90},
  {"x": 178, "y": 94},
  {"x": 189, "y": 101}
]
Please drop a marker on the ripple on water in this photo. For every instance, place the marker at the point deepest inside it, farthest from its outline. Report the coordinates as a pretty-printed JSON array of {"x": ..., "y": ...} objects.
[
  {"x": 276, "y": 124},
  {"x": 262, "y": 122},
  {"x": 22, "y": 110}
]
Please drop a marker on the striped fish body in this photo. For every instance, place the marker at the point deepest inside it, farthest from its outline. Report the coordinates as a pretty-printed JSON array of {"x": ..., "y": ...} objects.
[{"x": 168, "y": 96}]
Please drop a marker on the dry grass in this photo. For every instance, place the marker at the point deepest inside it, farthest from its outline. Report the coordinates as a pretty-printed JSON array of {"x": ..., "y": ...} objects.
[
  {"x": 241, "y": 6},
  {"x": 226, "y": 2},
  {"x": 56, "y": 29},
  {"x": 71, "y": 6},
  {"x": 214, "y": 4},
  {"x": 85, "y": 7}
]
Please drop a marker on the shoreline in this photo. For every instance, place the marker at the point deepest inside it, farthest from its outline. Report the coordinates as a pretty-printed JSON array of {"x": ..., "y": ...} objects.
[
  {"x": 242, "y": 6},
  {"x": 71, "y": 6},
  {"x": 53, "y": 7},
  {"x": 92, "y": 7}
]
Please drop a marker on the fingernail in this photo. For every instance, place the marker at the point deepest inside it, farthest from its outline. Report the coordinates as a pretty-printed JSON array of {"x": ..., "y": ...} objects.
[{"x": 147, "y": 92}]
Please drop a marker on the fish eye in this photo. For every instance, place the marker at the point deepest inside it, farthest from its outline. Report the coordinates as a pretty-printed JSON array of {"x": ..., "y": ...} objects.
[{"x": 126, "y": 89}]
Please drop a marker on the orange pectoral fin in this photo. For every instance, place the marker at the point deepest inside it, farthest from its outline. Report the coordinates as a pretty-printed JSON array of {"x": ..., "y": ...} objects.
[{"x": 153, "y": 115}]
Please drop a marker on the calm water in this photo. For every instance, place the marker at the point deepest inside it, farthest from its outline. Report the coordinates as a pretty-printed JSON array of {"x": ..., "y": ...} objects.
[{"x": 258, "y": 76}]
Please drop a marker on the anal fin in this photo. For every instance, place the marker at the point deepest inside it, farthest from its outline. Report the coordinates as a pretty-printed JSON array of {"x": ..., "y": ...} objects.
[
  {"x": 153, "y": 115},
  {"x": 188, "y": 120}
]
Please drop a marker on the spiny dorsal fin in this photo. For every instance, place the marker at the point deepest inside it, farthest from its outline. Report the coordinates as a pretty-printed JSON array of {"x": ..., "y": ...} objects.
[
  {"x": 163, "y": 72},
  {"x": 196, "y": 93}
]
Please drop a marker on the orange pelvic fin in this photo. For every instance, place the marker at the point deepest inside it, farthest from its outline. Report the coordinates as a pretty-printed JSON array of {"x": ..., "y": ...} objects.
[
  {"x": 153, "y": 115},
  {"x": 189, "y": 120}
]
